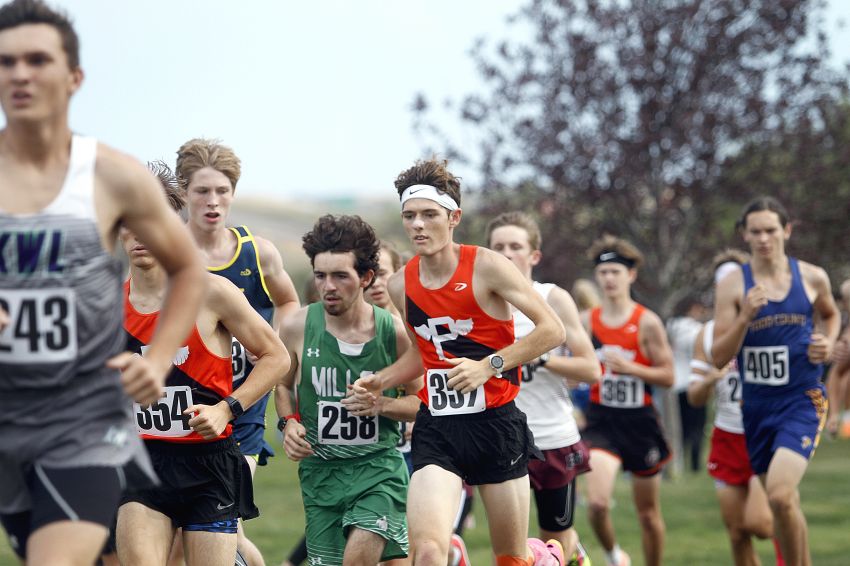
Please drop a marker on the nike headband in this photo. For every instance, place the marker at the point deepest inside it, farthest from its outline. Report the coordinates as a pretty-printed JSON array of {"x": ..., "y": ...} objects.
[
  {"x": 614, "y": 257},
  {"x": 430, "y": 193}
]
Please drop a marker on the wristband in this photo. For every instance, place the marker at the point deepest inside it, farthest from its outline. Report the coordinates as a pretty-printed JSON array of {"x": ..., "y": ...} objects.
[{"x": 281, "y": 422}]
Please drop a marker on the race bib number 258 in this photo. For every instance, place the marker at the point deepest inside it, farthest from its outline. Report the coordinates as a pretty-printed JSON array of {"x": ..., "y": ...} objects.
[{"x": 42, "y": 326}]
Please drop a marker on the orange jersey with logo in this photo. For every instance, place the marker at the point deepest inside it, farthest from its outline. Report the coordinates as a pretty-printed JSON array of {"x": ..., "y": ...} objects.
[
  {"x": 197, "y": 377},
  {"x": 617, "y": 390},
  {"x": 449, "y": 323}
]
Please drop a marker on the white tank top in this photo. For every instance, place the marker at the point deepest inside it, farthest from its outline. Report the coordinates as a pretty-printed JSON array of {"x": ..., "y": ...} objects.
[
  {"x": 544, "y": 396},
  {"x": 727, "y": 390}
]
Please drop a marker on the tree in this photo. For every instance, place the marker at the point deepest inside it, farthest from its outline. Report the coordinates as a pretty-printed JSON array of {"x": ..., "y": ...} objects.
[{"x": 621, "y": 117}]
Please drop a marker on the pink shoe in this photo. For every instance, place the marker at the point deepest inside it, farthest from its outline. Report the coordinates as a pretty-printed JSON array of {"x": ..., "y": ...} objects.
[
  {"x": 550, "y": 553},
  {"x": 457, "y": 549}
]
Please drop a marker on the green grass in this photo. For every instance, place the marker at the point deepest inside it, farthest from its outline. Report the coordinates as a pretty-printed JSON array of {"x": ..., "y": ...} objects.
[{"x": 695, "y": 534}]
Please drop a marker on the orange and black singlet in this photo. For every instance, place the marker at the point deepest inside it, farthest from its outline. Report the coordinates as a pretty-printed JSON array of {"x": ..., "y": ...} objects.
[
  {"x": 197, "y": 377},
  {"x": 449, "y": 323},
  {"x": 616, "y": 390}
]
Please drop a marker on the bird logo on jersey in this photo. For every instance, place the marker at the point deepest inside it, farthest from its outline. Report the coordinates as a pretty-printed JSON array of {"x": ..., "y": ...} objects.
[
  {"x": 245, "y": 272},
  {"x": 430, "y": 331},
  {"x": 179, "y": 358}
]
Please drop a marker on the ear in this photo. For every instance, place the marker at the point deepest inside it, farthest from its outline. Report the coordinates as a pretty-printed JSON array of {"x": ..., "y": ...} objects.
[
  {"x": 535, "y": 257},
  {"x": 454, "y": 217},
  {"x": 632, "y": 275},
  {"x": 75, "y": 80},
  {"x": 367, "y": 278},
  {"x": 788, "y": 229}
]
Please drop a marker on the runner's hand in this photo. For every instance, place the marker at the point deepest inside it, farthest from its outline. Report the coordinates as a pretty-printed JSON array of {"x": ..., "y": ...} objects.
[
  {"x": 468, "y": 375},
  {"x": 141, "y": 379},
  {"x": 841, "y": 351},
  {"x": 360, "y": 402},
  {"x": 820, "y": 348},
  {"x": 369, "y": 386},
  {"x": 209, "y": 420},
  {"x": 615, "y": 363},
  {"x": 295, "y": 441},
  {"x": 756, "y": 298}
]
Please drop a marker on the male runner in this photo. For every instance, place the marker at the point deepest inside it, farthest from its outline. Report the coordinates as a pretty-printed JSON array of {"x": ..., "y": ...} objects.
[
  {"x": 838, "y": 380},
  {"x": 353, "y": 480},
  {"x": 209, "y": 171},
  {"x": 763, "y": 315},
  {"x": 456, "y": 301},
  {"x": 66, "y": 439},
  {"x": 743, "y": 502},
  {"x": 206, "y": 484},
  {"x": 623, "y": 428},
  {"x": 544, "y": 396}
]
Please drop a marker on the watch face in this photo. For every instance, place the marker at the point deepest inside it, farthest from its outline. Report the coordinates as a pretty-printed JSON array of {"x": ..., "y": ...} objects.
[{"x": 497, "y": 361}]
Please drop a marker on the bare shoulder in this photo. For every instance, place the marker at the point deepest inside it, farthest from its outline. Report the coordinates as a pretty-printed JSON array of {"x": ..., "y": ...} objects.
[
  {"x": 560, "y": 297},
  {"x": 497, "y": 271},
  {"x": 293, "y": 325},
  {"x": 651, "y": 322},
  {"x": 220, "y": 289},
  {"x": 813, "y": 274},
  {"x": 395, "y": 284},
  {"x": 268, "y": 252},
  {"x": 118, "y": 171}
]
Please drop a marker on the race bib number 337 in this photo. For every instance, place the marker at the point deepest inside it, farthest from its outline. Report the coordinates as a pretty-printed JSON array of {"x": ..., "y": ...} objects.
[
  {"x": 443, "y": 400},
  {"x": 766, "y": 365},
  {"x": 42, "y": 326}
]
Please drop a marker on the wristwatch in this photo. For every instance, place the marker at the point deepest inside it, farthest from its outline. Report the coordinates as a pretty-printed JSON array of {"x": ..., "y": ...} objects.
[
  {"x": 281, "y": 422},
  {"x": 235, "y": 406},
  {"x": 497, "y": 363},
  {"x": 543, "y": 359}
]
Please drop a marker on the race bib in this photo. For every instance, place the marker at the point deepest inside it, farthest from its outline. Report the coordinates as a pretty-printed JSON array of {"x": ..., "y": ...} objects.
[
  {"x": 165, "y": 417},
  {"x": 338, "y": 426},
  {"x": 442, "y": 400},
  {"x": 621, "y": 391},
  {"x": 766, "y": 365},
  {"x": 42, "y": 326},
  {"x": 238, "y": 359}
]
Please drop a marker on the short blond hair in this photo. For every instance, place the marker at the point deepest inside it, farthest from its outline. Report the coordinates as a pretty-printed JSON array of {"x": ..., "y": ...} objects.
[
  {"x": 520, "y": 220},
  {"x": 198, "y": 153}
]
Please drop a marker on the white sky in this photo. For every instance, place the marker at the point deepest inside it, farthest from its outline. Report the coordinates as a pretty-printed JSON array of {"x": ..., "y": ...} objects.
[{"x": 314, "y": 96}]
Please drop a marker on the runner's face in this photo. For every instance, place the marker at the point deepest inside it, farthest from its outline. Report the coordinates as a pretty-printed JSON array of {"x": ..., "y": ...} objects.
[
  {"x": 139, "y": 255},
  {"x": 337, "y": 281},
  {"x": 428, "y": 225},
  {"x": 377, "y": 293},
  {"x": 615, "y": 279},
  {"x": 512, "y": 242},
  {"x": 765, "y": 235},
  {"x": 35, "y": 80},
  {"x": 208, "y": 200}
]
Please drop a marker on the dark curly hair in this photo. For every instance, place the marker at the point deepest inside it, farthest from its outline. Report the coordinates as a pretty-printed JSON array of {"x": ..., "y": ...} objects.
[
  {"x": 344, "y": 233},
  {"x": 176, "y": 197},
  {"x": 430, "y": 172}
]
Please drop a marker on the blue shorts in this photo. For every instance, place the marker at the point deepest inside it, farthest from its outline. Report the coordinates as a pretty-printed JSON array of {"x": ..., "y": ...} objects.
[
  {"x": 251, "y": 441},
  {"x": 794, "y": 422}
]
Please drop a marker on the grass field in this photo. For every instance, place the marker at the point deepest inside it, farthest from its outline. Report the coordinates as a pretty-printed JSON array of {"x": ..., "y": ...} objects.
[{"x": 695, "y": 534}]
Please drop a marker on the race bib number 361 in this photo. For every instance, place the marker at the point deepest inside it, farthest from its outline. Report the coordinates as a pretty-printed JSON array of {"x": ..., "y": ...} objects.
[
  {"x": 621, "y": 391},
  {"x": 766, "y": 365},
  {"x": 443, "y": 400},
  {"x": 42, "y": 326}
]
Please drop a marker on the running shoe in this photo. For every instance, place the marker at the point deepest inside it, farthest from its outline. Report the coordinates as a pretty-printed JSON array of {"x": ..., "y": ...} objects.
[
  {"x": 580, "y": 557},
  {"x": 457, "y": 548},
  {"x": 549, "y": 553}
]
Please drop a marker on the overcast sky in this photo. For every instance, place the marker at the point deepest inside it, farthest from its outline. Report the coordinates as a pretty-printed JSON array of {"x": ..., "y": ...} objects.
[{"x": 314, "y": 96}]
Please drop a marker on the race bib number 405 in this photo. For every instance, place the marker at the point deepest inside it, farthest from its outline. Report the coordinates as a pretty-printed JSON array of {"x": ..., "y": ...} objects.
[
  {"x": 165, "y": 417},
  {"x": 338, "y": 426},
  {"x": 766, "y": 365},
  {"x": 42, "y": 326},
  {"x": 443, "y": 400}
]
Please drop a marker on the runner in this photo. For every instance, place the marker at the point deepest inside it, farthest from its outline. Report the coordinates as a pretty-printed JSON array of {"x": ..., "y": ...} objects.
[
  {"x": 353, "y": 480},
  {"x": 544, "y": 396},
  {"x": 388, "y": 263},
  {"x": 67, "y": 443},
  {"x": 743, "y": 502},
  {"x": 623, "y": 427},
  {"x": 456, "y": 301},
  {"x": 206, "y": 484},
  {"x": 763, "y": 315},
  {"x": 837, "y": 388},
  {"x": 209, "y": 171}
]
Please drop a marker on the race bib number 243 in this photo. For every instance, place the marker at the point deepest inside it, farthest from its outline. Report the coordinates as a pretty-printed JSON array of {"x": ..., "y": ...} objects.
[{"x": 42, "y": 326}]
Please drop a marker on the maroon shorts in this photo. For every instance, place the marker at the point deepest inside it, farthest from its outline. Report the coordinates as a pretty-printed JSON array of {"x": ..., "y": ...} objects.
[
  {"x": 728, "y": 460},
  {"x": 559, "y": 466}
]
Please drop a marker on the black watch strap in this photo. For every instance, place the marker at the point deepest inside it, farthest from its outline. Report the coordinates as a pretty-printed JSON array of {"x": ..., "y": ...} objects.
[{"x": 235, "y": 406}]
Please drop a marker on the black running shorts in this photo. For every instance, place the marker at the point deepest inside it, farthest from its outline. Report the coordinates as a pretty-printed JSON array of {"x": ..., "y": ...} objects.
[{"x": 632, "y": 435}]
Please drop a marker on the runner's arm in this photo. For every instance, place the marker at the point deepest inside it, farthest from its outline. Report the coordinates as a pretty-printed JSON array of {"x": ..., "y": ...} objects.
[
  {"x": 731, "y": 318},
  {"x": 823, "y": 339},
  {"x": 703, "y": 375},
  {"x": 653, "y": 341},
  {"x": 134, "y": 198},
  {"x": 279, "y": 284},
  {"x": 582, "y": 365},
  {"x": 292, "y": 334}
]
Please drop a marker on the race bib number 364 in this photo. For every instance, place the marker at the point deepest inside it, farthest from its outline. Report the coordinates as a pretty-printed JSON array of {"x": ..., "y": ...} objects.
[
  {"x": 443, "y": 400},
  {"x": 766, "y": 365},
  {"x": 42, "y": 326}
]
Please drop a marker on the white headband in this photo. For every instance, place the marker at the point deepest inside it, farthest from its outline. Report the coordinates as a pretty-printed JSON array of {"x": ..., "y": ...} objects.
[
  {"x": 430, "y": 193},
  {"x": 725, "y": 269}
]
